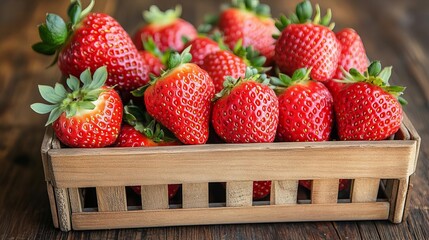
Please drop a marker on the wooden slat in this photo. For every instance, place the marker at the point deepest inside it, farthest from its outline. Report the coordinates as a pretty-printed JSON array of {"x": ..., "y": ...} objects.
[
  {"x": 365, "y": 190},
  {"x": 239, "y": 194},
  {"x": 274, "y": 213},
  {"x": 284, "y": 192},
  {"x": 400, "y": 191},
  {"x": 53, "y": 204},
  {"x": 324, "y": 191},
  {"x": 154, "y": 197},
  {"x": 232, "y": 162},
  {"x": 46, "y": 146},
  {"x": 111, "y": 199},
  {"x": 63, "y": 208},
  {"x": 195, "y": 195},
  {"x": 75, "y": 200}
]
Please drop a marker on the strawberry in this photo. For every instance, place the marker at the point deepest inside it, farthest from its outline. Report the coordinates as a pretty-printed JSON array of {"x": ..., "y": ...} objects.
[
  {"x": 246, "y": 110},
  {"x": 250, "y": 22},
  {"x": 87, "y": 117},
  {"x": 172, "y": 190},
  {"x": 221, "y": 64},
  {"x": 368, "y": 108},
  {"x": 180, "y": 99},
  {"x": 153, "y": 57},
  {"x": 201, "y": 47},
  {"x": 305, "y": 108},
  {"x": 305, "y": 44},
  {"x": 343, "y": 184},
  {"x": 166, "y": 29},
  {"x": 353, "y": 55},
  {"x": 92, "y": 40},
  {"x": 261, "y": 189},
  {"x": 225, "y": 63}
]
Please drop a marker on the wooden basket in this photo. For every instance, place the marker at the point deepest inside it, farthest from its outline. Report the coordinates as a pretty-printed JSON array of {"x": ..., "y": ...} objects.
[{"x": 380, "y": 173}]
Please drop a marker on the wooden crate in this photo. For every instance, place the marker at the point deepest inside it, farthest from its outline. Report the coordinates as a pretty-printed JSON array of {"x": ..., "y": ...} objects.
[{"x": 380, "y": 173}]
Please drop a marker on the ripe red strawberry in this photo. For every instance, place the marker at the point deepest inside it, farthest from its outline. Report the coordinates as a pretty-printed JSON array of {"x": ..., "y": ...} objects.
[
  {"x": 353, "y": 55},
  {"x": 180, "y": 99},
  {"x": 246, "y": 110},
  {"x": 221, "y": 64},
  {"x": 89, "y": 116},
  {"x": 342, "y": 185},
  {"x": 92, "y": 40},
  {"x": 166, "y": 29},
  {"x": 305, "y": 108},
  {"x": 201, "y": 47},
  {"x": 306, "y": 44},
  {"x": 261, "y": 189},
  {"x": 153, "y": 57},
  {"x": 250, "y": 22},
  {"x": 368, "y": 108}
]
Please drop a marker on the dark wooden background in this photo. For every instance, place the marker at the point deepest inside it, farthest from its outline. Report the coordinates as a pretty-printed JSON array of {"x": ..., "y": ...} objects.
[{"x": 394, "y": 31}]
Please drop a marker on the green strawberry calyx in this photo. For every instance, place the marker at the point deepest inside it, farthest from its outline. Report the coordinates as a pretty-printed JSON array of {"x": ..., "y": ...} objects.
[
  {"x": 250, "y": 56},
  {"x": 150, "y": 46},
  {"x": 283, "y": 82},
  {"x": 175, "y": 60},
  {"x": 303, "y": 14},
  {"x": 74, "y": 101},
  {"x": 230, "y": 83},
  {"x": 55, "y": 32},
  {"x": 253, "y": 6},
  {"x": 155, "y": 16},
  {"x": 145, "y": 124},
  {"x": 377, "y": 76}
]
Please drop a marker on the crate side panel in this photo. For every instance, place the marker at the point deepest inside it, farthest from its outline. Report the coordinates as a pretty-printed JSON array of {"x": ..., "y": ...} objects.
[
  {"x": 204, "y": 216},
  {"x": 223, "y": 163}
]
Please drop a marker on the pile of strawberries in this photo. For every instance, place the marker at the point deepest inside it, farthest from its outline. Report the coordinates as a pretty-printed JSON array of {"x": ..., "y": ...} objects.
[{"x": 243, "y": 78}]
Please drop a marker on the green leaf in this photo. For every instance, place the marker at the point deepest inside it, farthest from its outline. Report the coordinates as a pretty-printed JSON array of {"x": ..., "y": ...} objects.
[
  {"x": 327, "y": 18},
  {"x": 86, "y": 78},
  {"x": 42, "y": 108},
  {"x": 71, "y": 109},
  {"x": 73, "y": 83},
  {"x": 54, "y": 115},
  {"x": 385, "y": 74},
  {"x": 99, "y": 78},
  {"x": 174, "y": 60},
  {"x": 299, "y": 74},
  {"x": 86, "y": 105},
  {"x": 48, "y": 93},
  {"x": 57, "y": 29},
  {"x": 357, "y": 76},
  {"x": 304, "y": 11},
  {"x": 44, "y": 48},
  {"x": 60, "y": 90},
  {"x": 374, "y": 69},
  {"x": 74, "y": 12}
]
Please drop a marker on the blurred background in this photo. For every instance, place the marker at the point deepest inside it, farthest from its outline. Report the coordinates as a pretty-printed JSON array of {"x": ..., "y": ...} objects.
[{"x": 393, "y": 31}]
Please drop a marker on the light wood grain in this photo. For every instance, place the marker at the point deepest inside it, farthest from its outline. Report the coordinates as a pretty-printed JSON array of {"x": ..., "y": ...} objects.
[
  {"x": 324, "y": 191},
  {"x": 284, "y": 192},
  {"x": 52, "y": 204},
  {"x": 400, "y": 194},
  {"x": 75, "y": 200},
  {"x": 195, "y": 195},
  {"x": 278, "y": 213},
  {"x": 154, "y": 197},
  {"x": 365, "y": 190},
  {"x": 230, "y": 162},
  {"x": 111, "y": 199},
  {"x": 239, "y": 194}
]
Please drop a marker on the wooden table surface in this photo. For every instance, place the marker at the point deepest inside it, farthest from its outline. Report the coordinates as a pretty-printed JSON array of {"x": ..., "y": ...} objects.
[{"x": 393, "y": 31}]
